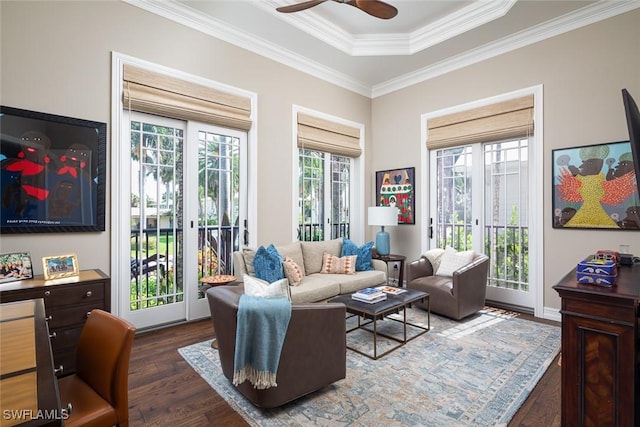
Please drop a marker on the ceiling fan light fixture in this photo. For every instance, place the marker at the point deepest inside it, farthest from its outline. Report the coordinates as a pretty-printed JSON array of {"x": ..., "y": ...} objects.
[{"x": 376, "y": 8}]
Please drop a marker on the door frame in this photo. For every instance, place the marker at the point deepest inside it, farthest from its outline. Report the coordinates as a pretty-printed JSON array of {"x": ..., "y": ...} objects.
[
  {"x": 119, "y": 208},
  {"x": 536, "y": 188}
]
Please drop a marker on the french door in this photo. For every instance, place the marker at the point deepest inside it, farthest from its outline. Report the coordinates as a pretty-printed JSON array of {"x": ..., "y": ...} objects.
[
  {"x": 480, "y": 201},
  {"x": 186, "y": 214},
  {"x": 325, "y": 196}
]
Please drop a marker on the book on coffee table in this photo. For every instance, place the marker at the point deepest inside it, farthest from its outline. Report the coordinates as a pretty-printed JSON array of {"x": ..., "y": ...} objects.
[
  {"x": 393, "y": 290},
  {"x": 370, "y": 300},
  {"x": 368, "y": 293}
]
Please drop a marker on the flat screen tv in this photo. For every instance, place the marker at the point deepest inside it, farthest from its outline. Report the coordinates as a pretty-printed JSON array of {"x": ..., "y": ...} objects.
[
  {"x": 633, "y": 123},
  {"x": 52, "y": 173}
]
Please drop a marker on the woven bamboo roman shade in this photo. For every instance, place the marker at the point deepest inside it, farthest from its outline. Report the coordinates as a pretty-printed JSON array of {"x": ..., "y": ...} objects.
[
  {"x": 154, "y": 93},
  {"x": 507, "y": 119},
  {"x": 331, "y": 137}
]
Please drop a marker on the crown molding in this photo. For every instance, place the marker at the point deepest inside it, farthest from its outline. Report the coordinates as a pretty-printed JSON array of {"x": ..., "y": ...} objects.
[
  {"x": 563, "y": 24},
  {"x": 233, "y": 35},
  {"x": 454, "y": 24}
]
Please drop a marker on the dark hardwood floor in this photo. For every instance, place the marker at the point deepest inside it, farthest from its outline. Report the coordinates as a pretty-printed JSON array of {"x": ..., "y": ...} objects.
[{"x": 164, "y": 390}]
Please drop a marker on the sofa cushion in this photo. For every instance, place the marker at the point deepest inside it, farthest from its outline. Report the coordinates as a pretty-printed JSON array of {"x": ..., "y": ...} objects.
[
  {"x": 452, "y": 260},
  {"x": 260, "y": 288},
  {"x": 338, "y": 265},
  {"x": 292, "y": 271},
  {"x": 293, "y": 251},
  {"x": 247, "y": 255},
  {"x": 363, "y": 262},
  {"x": 360, "y": 280},
  {"x": 315, "y": 287},
  {"x": 268, "y": 264},
  {"x": 312, "y": 253}
]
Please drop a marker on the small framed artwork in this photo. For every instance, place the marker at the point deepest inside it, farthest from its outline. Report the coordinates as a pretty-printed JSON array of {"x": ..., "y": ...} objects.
[
  {"x": 396, "y": 187},
  {"x": 594, "y": 187},
  {"x": 15, "y": 266},
  {"x": 56, "y": 267}
]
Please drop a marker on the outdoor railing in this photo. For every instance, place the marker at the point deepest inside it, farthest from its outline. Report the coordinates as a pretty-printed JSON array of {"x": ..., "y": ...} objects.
[
  {"x": 507, "y": 246},
  {"x": 315, "y": 231},
  {"x": 155, "y": 261}
]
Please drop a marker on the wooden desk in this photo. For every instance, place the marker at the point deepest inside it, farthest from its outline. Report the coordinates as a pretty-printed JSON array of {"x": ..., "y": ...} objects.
[
  {"x": 67, "y": 303},
  {"x": 600, "y": 351},
  {"x": 28, "y": 386}
]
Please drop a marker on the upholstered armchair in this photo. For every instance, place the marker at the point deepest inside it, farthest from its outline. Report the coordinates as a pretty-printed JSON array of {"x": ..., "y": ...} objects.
[
  {"x": 313, "y": 353},
  {"x": 456, "y": 296}
]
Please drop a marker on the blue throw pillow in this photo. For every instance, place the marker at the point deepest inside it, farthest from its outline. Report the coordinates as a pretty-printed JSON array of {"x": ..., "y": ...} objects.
[
  {"x": 363, "y": 262},
  {"x": 268, "y": 264}
]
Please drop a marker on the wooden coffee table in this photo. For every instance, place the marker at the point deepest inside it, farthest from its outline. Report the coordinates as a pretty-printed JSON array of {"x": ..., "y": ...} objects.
[{"x": 371, "y": 313}]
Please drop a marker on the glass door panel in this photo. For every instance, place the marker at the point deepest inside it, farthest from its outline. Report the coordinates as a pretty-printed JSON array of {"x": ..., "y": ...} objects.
[
  {"x": 480, "y": 203},
  {"x": 506, "y": 195},
  {"x": 453, "y": 213},
  {"x": 156, "y": 287}
]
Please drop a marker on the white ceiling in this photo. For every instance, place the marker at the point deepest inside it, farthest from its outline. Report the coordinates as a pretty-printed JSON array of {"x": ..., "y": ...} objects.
[{"x": 371, "y": 56}]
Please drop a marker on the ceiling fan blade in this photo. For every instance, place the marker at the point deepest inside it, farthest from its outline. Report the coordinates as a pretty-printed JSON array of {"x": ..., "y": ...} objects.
[
  {"x": 300, "y": 6},
  {"x": 376, "y": 8}
]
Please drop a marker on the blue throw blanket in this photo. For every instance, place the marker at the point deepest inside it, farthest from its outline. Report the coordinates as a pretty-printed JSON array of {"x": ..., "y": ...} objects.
[{"x": 262, "y": 326}]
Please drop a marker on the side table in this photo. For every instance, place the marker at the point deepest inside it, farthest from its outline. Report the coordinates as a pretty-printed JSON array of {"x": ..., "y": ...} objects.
[
  {"x": 391, "y": 258},
  {"x": 215, "y": 280}
]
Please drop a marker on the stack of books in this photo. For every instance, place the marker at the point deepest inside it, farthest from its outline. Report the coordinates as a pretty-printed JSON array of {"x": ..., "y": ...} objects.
[{"x": 369, "y": 295}]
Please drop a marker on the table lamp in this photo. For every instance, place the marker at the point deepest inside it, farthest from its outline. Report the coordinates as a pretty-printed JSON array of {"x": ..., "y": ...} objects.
[{"x": 383, "y": 215}]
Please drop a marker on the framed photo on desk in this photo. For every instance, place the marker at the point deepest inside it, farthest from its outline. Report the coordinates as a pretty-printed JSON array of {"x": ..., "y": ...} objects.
[
  {"x": 15, "y": 266},
  {"x": 56, "y": 267}
]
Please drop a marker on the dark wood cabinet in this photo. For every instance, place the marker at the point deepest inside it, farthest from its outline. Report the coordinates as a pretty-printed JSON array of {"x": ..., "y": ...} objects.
[
  {"x": 600, "y": 351},
  {"x": 67, "y": 303}
]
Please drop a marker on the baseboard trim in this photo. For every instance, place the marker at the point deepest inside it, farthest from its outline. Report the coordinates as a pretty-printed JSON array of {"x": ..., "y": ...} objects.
[{"x": 548, "y": 313}]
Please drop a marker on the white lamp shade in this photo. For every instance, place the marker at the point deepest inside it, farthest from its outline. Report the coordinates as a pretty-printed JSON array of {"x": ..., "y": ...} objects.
[{"x": 383, "y": 215}]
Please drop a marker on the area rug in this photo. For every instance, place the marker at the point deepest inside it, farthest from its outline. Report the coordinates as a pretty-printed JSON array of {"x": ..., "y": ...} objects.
[{"x": 477, "y": 372}]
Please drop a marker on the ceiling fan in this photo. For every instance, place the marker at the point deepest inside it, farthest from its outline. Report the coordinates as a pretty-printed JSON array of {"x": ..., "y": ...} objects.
[{"x": 376, "y": 8}]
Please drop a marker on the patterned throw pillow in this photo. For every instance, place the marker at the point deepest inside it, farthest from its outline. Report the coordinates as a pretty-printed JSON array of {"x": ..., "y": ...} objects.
[
  {"x": 260, "y": 288},
  {"x": 363, "y": 262},
  {"x": 334, "y": 265},
  {"x": 452, "y": 260},
  {"x": 292, "y": 271},
  {"x": 268, "y": 264}
]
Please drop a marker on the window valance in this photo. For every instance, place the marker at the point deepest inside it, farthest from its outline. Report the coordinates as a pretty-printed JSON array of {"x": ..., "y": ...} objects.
[
  {"x": 324, "y": 135},
  {"x": 150, "y": 92},
  {"x": 508, "y": 119}
]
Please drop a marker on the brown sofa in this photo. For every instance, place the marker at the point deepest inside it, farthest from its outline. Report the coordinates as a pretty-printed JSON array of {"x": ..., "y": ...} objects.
[
  {"x": 313, "y": 354},
  {"x": 456, "y": 297}
]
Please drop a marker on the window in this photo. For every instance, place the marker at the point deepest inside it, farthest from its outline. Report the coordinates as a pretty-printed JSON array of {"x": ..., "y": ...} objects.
[
  {"x": 181, "y": 169},
  {"x": 320, "y": 171},
  {"x": 484, "y": 176},
  {"x": 329, "y": 157}
]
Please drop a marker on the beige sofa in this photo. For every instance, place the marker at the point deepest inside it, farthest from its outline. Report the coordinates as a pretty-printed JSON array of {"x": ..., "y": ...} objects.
[{"x": 315, "y": 286}]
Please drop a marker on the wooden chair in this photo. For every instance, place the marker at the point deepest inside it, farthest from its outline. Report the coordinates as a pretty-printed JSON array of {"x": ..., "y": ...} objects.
[{"x": 98, "y": 391}]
